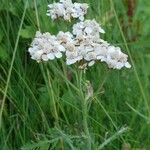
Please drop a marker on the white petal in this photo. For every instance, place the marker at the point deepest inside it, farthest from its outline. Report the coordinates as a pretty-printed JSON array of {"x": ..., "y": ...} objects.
[
  {"x": 79, "y": 58},
  {"x": 119, "y": 65},
  {"x": 70, "y": 61},
  {"x": 111, "y": 49},
  {"x": 88, "y": 30},
  {"x": 31, "y": 50},
  {"x": 38, "y": 33},
  {"x": 51, "y": 56},
  {"x": 61, "y": 48},
  {"x": 40, "y": 52},
  {"x": 81, "y": 18},
  {"x": 100, "y": 57},
  {"x": 75, "y": 15},
  {"x": 91, "y": 63},
  {"x": 127, "y": 65},
  {"x": 101, "y": 30},
  {"x": 58, "y": 55},
  {"x": 44, "y": 57},
  {"x": 37, "y": 55},
  {"x": 48, "y": 14}
]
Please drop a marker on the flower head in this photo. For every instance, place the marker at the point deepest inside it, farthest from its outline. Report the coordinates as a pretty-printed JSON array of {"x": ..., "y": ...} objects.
[
  {"x": 67, "y": 10},
  {"x": 45, "y": 47}
]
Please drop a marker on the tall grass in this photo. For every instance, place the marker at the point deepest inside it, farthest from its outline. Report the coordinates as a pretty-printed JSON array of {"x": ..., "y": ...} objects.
[{"x": 44, "y": 106}]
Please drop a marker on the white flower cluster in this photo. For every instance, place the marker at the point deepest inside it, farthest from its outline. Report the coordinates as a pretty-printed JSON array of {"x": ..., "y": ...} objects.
[
  {"x": 45, "y": 47},
  {"x": 67, "y": 10},
  {"x": 83, "y": 45},
  {"x": 112, "y": 56}
]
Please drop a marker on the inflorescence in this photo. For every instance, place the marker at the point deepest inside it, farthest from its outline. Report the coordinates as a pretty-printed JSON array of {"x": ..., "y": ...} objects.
[
  {"x": 67, "y": 10},
  {"x": 84, "y": 44}
]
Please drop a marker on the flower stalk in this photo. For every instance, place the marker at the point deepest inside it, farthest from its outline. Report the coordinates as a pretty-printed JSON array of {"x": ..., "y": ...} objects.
[{"x": 84, "y": 103}]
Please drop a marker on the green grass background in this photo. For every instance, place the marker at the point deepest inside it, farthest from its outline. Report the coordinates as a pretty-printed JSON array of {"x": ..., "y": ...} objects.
[{"x": 41, "y": 104}]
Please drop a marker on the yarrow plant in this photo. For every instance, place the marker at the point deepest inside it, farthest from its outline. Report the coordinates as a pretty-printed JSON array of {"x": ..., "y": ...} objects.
[{"x": 83, "y": 44}]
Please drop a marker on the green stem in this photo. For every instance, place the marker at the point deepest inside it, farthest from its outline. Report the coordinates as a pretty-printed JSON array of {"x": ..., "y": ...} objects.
[
  {"x": 55, "y": 109},
  {"x": 84, "y": 110},
  {"x": 85, "y": 123}
]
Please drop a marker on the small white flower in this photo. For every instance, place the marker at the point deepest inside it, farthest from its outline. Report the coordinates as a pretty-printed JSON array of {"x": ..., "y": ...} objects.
[
  {"x": 56, "y": 10},
  {"x": 79, "y": 10},
  {"x": 89, "y": 29},
  {"x": 58, "y": 54},
  {"x": 51, "y": 56},
  {"x": 127, "y": 65},
  {"x": 44, "y": 57},
  {"x": 64, "y": 37},
  {"x": 71, "y": 61},
  {"x": 90, "y": 56},
  {"x": 91, "y": 63}
]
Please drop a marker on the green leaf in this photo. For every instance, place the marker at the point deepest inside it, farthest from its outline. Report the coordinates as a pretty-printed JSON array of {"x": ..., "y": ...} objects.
[
  {"x": 3, "y": 53},
  {"x": 27, "y": 32},
  {"x": 1, "y": 35}
]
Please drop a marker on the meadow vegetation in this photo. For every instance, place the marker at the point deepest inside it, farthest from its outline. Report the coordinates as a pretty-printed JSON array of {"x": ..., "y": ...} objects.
[{"x": 41, "y": 103}]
